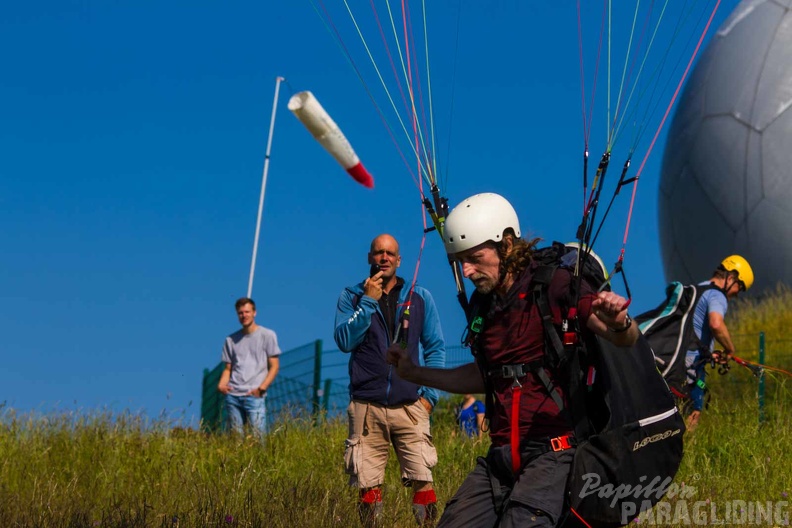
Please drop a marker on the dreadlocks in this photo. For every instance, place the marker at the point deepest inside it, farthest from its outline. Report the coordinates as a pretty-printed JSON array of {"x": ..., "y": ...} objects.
[{"x": 520, "y": 256}]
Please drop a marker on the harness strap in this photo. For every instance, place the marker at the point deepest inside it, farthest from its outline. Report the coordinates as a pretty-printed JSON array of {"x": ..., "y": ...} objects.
[
  {"x": 562, "y": 443},
  {"x": 537, "y": 367},
  {"x": 515, "y": 426},
  {"x": 517, "y": 371},
  {"x": 541, "y": 282},
  {"x": 498, "y": 496},
  {"x": 560, "y": 353},
  {"x": 537, "y": 449},
  {"x": 470, "y": 338},
  {"x": 550, "y": 388}
]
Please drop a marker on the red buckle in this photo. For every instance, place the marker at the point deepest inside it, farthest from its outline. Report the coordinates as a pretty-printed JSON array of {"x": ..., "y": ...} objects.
[
  {"x": 570, "y": 338},
  {"x": 560, "y": 443}
]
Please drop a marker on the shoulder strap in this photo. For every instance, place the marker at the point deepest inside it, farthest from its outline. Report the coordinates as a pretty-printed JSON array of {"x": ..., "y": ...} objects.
[
  {"x": 559, "y": 355},
  {"x": 555, "y": 352},
  {"x": 470, "y": 339},
  {"x": 540, "y": 286}
]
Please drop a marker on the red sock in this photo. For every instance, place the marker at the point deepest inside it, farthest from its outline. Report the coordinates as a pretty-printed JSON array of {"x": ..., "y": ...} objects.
[
  {"x": 424, "y": 497},
  {"x": 371, "y": 496}
]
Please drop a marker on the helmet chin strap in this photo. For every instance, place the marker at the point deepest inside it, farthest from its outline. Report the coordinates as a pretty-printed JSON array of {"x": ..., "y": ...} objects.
[{"x": 726, "y": 286}]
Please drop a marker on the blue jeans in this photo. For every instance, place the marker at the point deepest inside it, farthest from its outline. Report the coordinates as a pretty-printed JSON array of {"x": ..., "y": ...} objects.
[
  {"x": 248, "y": 410},
  {"x": 696, "y": 370}
]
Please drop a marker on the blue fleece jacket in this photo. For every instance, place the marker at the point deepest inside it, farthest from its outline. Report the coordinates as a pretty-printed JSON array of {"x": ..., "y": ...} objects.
[{"x": 360, "y": 329}]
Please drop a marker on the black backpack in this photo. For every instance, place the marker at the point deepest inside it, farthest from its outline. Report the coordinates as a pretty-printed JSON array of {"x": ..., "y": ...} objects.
[
  {"x": 633, "y": 448},
  {"x": 627, "y": 427},
  {"x": 669, "y": 330}
]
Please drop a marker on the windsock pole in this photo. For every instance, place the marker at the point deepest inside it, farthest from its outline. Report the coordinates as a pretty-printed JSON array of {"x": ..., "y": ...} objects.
[{"x": 278, "y": 80}]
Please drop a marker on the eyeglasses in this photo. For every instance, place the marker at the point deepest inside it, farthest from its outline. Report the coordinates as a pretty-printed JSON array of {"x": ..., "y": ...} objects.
[{"x": 741, "y": 285}]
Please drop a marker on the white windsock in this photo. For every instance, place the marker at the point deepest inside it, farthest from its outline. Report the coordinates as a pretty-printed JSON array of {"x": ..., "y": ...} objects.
[{"x": 311, "y": 114}]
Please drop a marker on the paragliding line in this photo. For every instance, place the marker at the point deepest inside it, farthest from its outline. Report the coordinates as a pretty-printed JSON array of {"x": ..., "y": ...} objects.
[
  {"x": 278, "y": 80},
  {"x": 333, "y": 30},
  {"x": 757, "y": 368},
  {"x": 441, "y": 207},
  {"x": 452, "y": 98},
  {"x": 665, "y": 116},
  {"x": 588, "y": 115},
  {"x": 622, "y": 183}
]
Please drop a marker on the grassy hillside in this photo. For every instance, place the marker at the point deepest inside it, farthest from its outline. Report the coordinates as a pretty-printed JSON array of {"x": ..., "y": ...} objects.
[
  {"x": 771, "y": 314},
  {"x": 110, "y": 470}
]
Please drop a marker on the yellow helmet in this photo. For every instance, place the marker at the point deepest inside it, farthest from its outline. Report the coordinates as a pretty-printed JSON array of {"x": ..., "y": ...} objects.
[{"x": 739, "y": 265}]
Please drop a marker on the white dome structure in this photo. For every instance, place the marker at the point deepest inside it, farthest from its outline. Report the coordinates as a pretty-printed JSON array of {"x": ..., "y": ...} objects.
[{"x": 726, "y": 183}]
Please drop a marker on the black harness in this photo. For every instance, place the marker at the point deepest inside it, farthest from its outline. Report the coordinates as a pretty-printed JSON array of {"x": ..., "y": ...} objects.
[{"x": 559, "y": 354}]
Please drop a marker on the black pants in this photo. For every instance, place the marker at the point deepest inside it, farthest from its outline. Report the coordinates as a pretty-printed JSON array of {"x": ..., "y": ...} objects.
[{"x": 490, "y": 497}]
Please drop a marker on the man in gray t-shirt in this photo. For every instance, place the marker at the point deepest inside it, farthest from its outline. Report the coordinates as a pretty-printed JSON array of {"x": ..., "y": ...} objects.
[{"x": 251, "y": 358}]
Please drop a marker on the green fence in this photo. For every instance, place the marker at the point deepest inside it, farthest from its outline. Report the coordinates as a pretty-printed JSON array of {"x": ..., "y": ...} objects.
[
  {"x": 212, "y": 410},
  {"x": 312, "y": 381},
  {"x": 770, "y": 392}
]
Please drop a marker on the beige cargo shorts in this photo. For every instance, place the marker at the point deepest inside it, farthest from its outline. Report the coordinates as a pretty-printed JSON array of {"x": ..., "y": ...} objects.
[{"x": 373, "y": 428}]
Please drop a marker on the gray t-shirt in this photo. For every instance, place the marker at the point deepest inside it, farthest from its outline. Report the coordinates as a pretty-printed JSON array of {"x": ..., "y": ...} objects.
[{"x": 248, "y": 354}]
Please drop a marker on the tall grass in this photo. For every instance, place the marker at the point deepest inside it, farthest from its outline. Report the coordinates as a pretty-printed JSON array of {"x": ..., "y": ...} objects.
[
  {"x": 769, "y": 313},
  {"x": 67, "y": 470},
  {"x": 108, "y": 470}
]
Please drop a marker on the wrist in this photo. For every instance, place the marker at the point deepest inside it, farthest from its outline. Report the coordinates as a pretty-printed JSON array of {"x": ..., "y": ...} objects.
[{"x": 627, "y": 324}]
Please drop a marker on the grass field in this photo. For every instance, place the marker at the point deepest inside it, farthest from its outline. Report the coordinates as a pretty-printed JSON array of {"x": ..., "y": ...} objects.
[{"x": 123, "y": 470}]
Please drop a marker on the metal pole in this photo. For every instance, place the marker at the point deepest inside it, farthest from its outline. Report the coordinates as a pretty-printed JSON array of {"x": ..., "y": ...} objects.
[
  {"x": 328, "y": 385},
  {"x": 263, "y": 185},
  {"x": 317, "y": 378}
]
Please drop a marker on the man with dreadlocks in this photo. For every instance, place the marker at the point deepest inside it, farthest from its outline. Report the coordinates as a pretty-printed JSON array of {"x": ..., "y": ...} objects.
[
  {"x": 386, "y": 409},
  {"x": 522, "y": 480}
]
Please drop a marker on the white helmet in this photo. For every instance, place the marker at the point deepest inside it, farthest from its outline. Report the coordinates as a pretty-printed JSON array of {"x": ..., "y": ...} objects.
[{"x": 476, "y": 220}]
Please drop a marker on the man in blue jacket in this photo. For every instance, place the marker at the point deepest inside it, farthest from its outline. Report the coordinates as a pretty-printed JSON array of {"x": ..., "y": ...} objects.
[{"x": 385, "y": 409}]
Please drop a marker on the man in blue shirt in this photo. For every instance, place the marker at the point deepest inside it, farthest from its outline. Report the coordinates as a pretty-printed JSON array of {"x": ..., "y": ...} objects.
[
  {"x": 470, "y": 416},
  {"x": 733, "y": 276}
]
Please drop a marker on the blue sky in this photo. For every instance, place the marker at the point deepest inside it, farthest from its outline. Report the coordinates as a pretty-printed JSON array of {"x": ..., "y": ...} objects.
[{"x": 133, "y": 135}]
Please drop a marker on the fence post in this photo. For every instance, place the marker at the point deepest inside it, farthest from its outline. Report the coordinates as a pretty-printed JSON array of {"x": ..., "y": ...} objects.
[
  {"x": 761, "y": 378},
  {"x": 212, "y": 402},
  {"x": 317, "y": 378},
  {"x": 328, "y": 385}
]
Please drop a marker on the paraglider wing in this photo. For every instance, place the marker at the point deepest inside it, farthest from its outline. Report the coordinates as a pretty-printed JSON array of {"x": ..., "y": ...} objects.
[{"x": 311, "y": 114}]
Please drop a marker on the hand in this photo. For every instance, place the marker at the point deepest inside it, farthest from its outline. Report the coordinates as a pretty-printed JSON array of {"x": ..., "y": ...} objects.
[
  {"x": 258, "y": 392},
  {"x": 225, "y": 389},
  {"x": 720, "y": 358},
  {"x": 373, "y": 286},
  {"x": 400, "y": 358},
  {"x": 611, "y": 309},
  {"x": 693, "y": 420}
]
